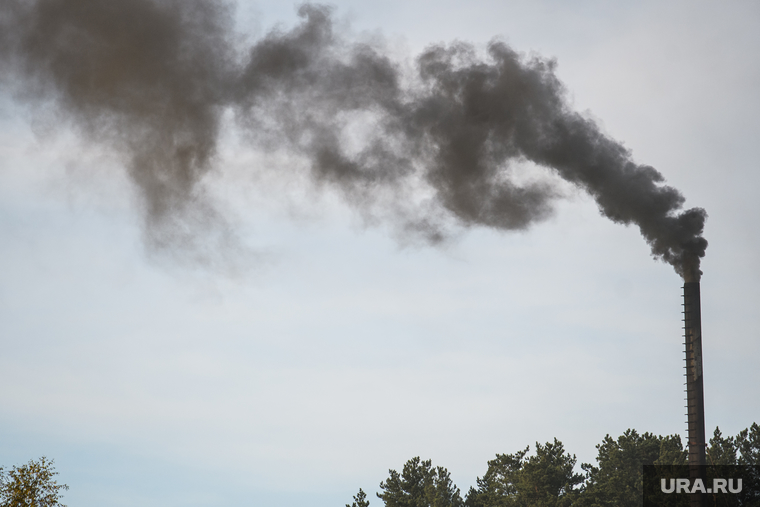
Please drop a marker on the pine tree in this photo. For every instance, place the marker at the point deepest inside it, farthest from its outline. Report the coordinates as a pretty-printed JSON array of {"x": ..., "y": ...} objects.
[
  {"x": 543, "y": 480},
  {"x": 420, "y": 485},
  {"x": 360, "y": 500}
]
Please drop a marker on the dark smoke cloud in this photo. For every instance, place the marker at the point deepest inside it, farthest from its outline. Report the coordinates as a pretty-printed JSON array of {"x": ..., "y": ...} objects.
[{"x": 152, "y": 78}]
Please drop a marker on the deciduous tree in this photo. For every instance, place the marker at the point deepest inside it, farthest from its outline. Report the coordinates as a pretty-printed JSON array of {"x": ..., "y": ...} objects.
[{"x": 31, "y": 485}]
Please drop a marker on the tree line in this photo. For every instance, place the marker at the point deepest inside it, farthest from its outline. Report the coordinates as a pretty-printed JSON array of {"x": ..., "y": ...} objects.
[{"x": 548, "y": 477}]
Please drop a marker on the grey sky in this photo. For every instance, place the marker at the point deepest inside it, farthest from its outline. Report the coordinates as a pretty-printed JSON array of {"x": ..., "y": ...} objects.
[{"x": 336, "y": 353}]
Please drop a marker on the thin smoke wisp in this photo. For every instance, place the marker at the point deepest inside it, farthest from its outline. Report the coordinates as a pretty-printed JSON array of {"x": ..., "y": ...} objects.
[{"x": 151, "y": 79}]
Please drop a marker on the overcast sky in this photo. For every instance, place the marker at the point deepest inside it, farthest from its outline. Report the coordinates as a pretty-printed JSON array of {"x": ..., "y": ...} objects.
[{"x": 304, "y": 368}]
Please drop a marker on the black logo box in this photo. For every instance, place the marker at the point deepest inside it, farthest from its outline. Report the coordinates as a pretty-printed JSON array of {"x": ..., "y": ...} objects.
[{"x": 718, "y": 486}]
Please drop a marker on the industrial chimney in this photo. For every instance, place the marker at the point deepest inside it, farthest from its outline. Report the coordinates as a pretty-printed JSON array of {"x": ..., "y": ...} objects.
[{"x": 695, "y": 402}]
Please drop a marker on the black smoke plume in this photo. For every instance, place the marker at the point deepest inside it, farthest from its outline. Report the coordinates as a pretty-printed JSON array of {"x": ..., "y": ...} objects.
[{"x": 152, "y": 78}]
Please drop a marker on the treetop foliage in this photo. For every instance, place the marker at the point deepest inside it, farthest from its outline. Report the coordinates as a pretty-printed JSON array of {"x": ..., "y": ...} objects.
[
  {"x": 31, "y": 485},
  {"x": 360, "y": 500},
  {"x": 547, "y": 478},
  {"x": 420, "y": 485}
]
